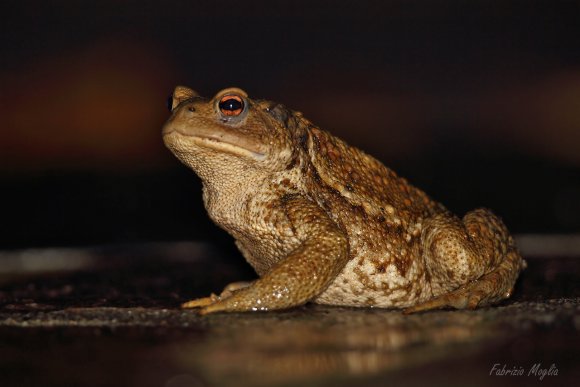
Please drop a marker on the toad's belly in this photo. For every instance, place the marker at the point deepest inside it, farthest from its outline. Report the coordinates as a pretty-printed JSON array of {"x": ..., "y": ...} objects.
[{"x": 369, "y": 282}]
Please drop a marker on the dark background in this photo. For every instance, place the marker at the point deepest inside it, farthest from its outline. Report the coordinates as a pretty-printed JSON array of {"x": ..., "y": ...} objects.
[{"x": 476, "y": 102}]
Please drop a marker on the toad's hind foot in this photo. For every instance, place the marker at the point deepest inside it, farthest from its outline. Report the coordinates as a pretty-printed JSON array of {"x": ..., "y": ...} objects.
[
  {"x": 491, "y": 287},
  {"x": 466, "y": 297}
]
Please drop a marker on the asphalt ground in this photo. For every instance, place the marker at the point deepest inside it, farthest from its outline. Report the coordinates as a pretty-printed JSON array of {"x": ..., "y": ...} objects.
[{"x": 109, "y": 315}]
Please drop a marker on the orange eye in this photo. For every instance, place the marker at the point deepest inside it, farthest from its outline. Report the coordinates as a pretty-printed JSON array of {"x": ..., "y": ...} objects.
[{"x": 231, "y": 105}]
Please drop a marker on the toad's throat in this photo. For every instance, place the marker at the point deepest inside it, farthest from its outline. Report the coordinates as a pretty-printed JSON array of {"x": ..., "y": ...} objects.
[{"x": 219, "y": 142}]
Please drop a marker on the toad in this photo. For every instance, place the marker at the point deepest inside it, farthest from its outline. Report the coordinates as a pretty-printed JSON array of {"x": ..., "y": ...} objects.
[{"x": 324, "y": 222}]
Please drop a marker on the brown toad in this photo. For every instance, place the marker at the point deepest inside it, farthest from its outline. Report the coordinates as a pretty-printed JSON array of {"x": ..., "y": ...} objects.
[{"x": 322, "y": 221}]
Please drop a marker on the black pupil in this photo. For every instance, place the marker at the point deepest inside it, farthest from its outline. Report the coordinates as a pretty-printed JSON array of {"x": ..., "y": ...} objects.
[{"x": 231, "y": 104}]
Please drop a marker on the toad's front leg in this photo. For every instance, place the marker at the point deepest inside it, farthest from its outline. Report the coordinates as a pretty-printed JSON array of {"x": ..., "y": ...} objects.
[{"x": 299, "y": 277}]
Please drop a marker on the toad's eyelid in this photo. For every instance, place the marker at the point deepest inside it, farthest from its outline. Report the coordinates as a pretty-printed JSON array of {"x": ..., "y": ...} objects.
[{"x": 231, "y": 96}]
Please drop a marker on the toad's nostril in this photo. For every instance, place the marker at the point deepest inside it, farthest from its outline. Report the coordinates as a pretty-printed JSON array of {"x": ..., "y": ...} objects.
[
  {"x": 169, "y": 103},
  {"x": 191, "y": 108}
]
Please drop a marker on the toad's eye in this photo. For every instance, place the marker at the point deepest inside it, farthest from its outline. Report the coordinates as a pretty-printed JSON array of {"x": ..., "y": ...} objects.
[{"x": 231, "y": 105}]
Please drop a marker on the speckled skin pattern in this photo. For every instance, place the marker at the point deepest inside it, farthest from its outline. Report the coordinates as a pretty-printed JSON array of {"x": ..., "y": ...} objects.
[{"x": 322, "y": 221}]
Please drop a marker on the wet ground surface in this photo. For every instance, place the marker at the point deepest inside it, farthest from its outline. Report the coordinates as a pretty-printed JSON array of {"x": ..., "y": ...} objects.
[{"x": 109, "y": 316}]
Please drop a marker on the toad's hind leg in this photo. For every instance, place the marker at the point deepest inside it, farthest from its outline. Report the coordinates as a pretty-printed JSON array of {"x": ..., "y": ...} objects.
[{"x": 471, "y": 262}]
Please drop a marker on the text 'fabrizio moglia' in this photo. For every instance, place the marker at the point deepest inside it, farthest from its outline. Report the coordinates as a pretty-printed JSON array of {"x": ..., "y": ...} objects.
[{"x": 536, "y": 370}]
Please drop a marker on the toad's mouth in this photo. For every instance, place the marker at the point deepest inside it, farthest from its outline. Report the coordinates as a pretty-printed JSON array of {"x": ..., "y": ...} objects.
[{"x": 215, "y": 141}]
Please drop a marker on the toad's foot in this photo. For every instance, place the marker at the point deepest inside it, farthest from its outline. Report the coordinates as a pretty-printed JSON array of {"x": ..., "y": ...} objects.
[
  {"x": 200, "y": 302},
  {"x": 492, "y": 287},
  {"x": 213, "y": 298}
]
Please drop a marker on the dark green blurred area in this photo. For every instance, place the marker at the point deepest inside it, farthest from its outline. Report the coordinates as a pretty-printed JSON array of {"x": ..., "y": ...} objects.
[{"x": 477, "y": 102}]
